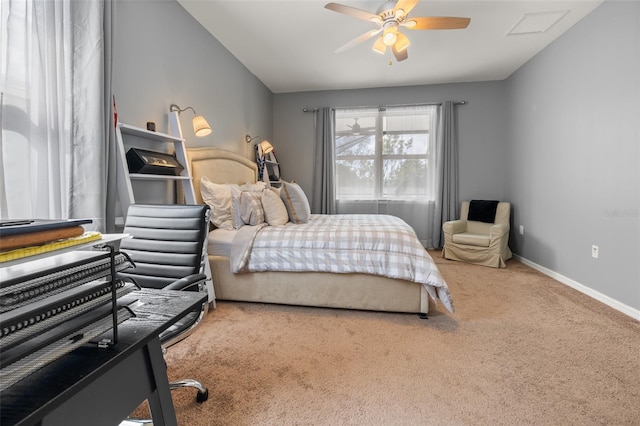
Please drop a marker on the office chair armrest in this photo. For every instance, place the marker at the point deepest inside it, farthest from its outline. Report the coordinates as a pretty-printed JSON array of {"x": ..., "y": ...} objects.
[{"x": 189, "y": 283}]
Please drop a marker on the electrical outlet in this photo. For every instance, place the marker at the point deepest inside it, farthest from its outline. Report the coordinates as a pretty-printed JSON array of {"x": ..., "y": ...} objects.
[
  {"x": 595, "y": 251},
  {"x": 521, "y": 229}
]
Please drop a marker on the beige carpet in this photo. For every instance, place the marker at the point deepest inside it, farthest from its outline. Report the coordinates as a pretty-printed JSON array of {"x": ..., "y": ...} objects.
[{"x": 521, "y": 348}]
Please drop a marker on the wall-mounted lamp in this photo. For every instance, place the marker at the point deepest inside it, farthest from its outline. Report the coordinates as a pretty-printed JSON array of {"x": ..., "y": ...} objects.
[
  {"x": 262, "y": 150},
  {"x": 200, "y": 125},
  {"x": 250, "y": 139},
  {"x": 265, "y": 146}
]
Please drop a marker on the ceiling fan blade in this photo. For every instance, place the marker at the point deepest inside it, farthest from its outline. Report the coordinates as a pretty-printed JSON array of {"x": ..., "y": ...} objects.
[
  {"x": 358, "y": 40},
  {"x": 352, "y": 11},
  {"x": 406, "y": 5},
  {"x": 436, "y": 23},
  {"x": 400, "y": 55}
]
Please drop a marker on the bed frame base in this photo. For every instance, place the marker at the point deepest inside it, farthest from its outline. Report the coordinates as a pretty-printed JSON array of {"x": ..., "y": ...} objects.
[{"x": 319, "y": 289}]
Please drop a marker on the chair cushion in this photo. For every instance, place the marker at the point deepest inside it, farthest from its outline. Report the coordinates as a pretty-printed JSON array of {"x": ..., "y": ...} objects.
[
  {"x": 471, "y": 239},
  {"x": 482, "y": 210}
]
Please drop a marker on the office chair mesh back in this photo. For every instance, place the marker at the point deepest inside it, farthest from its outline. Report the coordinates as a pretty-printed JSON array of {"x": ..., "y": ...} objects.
[{"x": 166, "y": 242}]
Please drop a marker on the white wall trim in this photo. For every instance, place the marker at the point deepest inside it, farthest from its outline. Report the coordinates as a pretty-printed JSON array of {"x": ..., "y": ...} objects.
[{"x": 619, "y": 306}]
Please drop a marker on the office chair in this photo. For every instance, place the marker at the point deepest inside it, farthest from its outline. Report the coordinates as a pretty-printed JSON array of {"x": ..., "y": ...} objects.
[{"x": 167, "y": 247}]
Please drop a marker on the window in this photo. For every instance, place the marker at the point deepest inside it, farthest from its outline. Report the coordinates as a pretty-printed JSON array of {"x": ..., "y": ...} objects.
[
  {"x": 384, "y": 153},
  {"x": 53, "y": 120}
]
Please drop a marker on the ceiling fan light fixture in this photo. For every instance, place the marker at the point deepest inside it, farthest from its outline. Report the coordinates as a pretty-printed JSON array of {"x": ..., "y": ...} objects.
[
  {"x": 400, "y": 14},
  {"x": 379, "y": 46},
  {"x": 389, "y": 39},
  {"x": 403, "y": 42},
  {"x": 390, "y": 34}
]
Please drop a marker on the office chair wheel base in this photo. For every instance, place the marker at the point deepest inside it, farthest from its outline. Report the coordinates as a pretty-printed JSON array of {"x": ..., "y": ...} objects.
[
  {"x": 202, "y": 396},
  {"x": 203, "y": 393}
]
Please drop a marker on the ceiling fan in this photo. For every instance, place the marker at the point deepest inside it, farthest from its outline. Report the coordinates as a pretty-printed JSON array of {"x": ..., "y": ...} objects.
[
  {"x": 356, "y": 129},
  {"x": 389, "y": 17}
]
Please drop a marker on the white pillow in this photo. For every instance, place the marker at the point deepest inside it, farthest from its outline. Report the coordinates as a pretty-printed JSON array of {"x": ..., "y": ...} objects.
[
  {"x": 236, "y": 218},
  {"x": 218, "y": 197},
  {"x": 275, "y": 189},
  {"x": 255, "y": 187},
  {"x": 296, "y": 202},
  {"x": 275, "y": 212}
]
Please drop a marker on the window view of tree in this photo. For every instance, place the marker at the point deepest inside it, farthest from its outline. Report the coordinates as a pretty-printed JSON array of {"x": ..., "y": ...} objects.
[{"x": 381, "y": 154}]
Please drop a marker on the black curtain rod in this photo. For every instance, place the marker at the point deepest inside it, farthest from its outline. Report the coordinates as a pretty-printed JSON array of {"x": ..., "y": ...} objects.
[{"x": 315, "y": 109}]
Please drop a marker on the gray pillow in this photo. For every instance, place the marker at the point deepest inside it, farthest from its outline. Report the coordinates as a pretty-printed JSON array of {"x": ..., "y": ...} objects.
[
  {"x": 296, "y": 202},
  {"x": 251, "y": 210},
  {"x": 246, "y": 207}
]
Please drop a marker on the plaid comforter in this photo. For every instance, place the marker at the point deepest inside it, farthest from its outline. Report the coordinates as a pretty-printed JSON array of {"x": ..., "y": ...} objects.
[{"x": 369, "y": 244}]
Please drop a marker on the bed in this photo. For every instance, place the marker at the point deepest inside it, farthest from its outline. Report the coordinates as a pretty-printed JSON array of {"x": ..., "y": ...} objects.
[{"x": 351, "y": 290}]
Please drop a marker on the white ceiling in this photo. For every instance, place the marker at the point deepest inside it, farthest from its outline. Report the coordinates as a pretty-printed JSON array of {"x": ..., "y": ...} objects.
[{"x": 289, "y": 45}]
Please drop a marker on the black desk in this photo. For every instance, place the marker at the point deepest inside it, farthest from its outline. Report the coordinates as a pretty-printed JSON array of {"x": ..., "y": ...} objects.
[{"x": 93, "y": 386}]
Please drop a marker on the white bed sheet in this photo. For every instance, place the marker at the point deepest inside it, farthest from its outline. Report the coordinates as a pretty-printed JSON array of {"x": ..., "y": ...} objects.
[{"x": 220, "y": 240}]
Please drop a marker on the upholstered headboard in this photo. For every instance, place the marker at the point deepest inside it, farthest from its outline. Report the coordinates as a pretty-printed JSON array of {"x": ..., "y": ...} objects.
[{"x": 219, "y": 166}]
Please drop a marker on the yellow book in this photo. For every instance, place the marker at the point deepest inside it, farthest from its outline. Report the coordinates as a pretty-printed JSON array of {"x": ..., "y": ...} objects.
[{"x": 52, "y": 246}]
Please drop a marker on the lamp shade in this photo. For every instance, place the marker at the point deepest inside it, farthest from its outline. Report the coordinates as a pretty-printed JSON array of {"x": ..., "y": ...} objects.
[
  {"x": 379, "y": 46},
  {"x": 402, "y": 42},
  {"x": 266, "y": 147},
  {"x": 200, "y": 126}
]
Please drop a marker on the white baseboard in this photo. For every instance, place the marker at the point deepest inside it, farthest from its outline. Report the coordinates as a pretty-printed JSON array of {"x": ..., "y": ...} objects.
[{"x": 618, "y": 306}]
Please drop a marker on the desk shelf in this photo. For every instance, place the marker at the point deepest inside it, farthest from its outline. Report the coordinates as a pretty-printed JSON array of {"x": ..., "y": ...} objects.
[
  {"x": 87, "y": 385},
  {"x": 48, "y": 300}
]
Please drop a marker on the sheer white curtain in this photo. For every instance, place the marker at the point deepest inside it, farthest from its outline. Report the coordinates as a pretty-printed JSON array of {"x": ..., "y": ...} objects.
[{"x": 52, "y": 146}]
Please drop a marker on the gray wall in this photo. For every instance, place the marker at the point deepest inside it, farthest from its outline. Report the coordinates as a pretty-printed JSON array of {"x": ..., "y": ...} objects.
[
  {"x": 164, "y": 56},
  {"x": 572, "y": 147},
  {"x": 481, "y": 130},
  {"x": 559, "y": 138}
]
